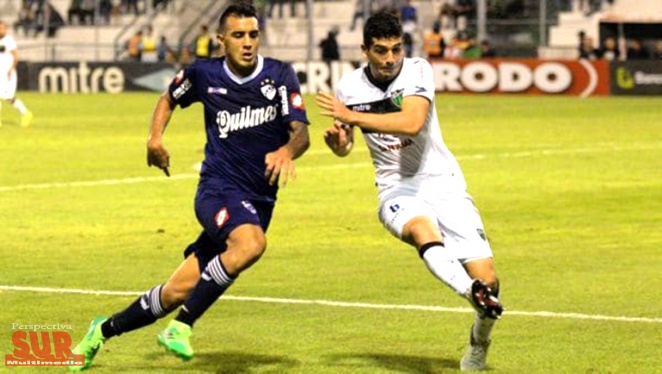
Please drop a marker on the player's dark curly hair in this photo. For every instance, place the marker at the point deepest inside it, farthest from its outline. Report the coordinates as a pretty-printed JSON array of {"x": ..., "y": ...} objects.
[
  {"x": 381, "y": 25},
  {"x": 238, "y": 8}
]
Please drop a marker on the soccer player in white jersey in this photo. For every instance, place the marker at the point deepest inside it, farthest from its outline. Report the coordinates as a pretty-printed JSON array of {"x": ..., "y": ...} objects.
[
  {"x": 8, "y": 61},
  {"x": 422, "y": 192}
]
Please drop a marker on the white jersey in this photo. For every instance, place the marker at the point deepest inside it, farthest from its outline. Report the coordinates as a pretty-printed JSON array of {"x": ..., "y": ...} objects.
[
  {"x": 421, "y": 164},
  {"x": 7, "y": 45}
]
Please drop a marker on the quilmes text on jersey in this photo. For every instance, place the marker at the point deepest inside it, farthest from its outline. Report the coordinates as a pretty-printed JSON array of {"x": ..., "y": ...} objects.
[{"x": 245, "y": 118}]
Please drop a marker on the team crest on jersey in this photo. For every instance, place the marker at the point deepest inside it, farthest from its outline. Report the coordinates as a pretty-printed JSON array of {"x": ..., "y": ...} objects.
[
  {"x": 221, "y": 217},
  {"x": 268, "y": 89},
  {"x": 249, "y": 206},
  {"x": 396, "y": 98}
]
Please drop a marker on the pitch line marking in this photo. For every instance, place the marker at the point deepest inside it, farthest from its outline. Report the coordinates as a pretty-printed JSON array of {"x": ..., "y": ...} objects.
[
  {"x": 344, "y": 304},
  {"x": 356, "y": 165}
]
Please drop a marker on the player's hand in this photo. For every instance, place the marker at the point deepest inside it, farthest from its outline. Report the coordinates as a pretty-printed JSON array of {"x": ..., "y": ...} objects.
[
  {"x": 280, "y": 164},
  {"x": 332, "y": 107},
  {"x": 158, "y": 156},
  {"x": 337, "y": 137}
]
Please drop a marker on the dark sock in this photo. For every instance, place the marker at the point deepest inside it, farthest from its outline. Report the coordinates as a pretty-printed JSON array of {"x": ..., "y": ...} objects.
[
  {"x": 213, "y": 282},
  {"x": 142, "y": 312}
]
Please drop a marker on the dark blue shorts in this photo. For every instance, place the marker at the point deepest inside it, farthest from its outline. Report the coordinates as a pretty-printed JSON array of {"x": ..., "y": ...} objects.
[{"x": 219, "y": 214}]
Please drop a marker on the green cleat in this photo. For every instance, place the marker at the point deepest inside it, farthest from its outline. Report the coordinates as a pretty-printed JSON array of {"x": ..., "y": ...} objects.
[
  {"x": 90, "y": 344},
  {"x": 175, "y": 339}
]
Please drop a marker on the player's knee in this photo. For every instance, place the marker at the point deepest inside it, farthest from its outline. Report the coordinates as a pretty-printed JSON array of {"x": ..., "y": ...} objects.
[
  {"x": 421, "y": 230},
  {"x": 254, "y": 249}
]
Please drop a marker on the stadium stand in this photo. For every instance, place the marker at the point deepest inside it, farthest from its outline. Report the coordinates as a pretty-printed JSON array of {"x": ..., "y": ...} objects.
[{"x": 509, "y": 29}]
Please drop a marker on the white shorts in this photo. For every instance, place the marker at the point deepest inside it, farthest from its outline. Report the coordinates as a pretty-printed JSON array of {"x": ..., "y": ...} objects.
[
  {"x": 7, "y": 86},
  {"x": 455, "y": 214}
]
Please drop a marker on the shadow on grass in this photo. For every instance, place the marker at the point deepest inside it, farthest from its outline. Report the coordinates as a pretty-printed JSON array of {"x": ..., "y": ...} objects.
[
  {"x": 395, "y": 363},
  {"x": 235, "y": 362}
]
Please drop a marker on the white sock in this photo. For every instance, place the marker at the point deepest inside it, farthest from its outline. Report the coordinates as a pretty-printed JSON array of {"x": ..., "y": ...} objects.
[
  {"x": 18, "y": 104},
  {"x": 447, "y": 269},
  {"x": 481, "y": 329}
]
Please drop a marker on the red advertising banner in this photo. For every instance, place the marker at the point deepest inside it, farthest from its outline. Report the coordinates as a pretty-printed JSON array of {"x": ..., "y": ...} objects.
[{"x": 522, "y": 76}]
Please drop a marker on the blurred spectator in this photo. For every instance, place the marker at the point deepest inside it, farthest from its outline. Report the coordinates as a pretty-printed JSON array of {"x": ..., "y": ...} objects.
[
  {"x": 359, "y": 12},
  {"x": 134, "y": 45},
  {"x": 457, "y": 46},
  {"x": 55, "y": 20},
  {"x": 408, "y": 19},
  {"x": 130, "y": 5},
  {"x": 636, "y": 50},
  {"x": 433, "y": 42},
  {"x": 580, "y": 47},
  {"x": 149, "y": 43},
  {"x": 203, "y": 43},
  {"x": 185, "y": 57},
  {"x": 26, "y": 20},
  {"x": 329, "y": 47},
  {"x": 587, "y": 49},
  {"x": 486, "y": 50},
  {"x": 261, "y": 8},
  {"x": 105, "y": 10},
  {"x": 293, "y": 8},
  {"x": 454, "y": 14},
  {"x": 78, "y": 13},
  {"x": 163, "y": 51},
  {"x": 609, "y": 50},
  {"x": 658, "y": 50},
  {"x": 471, "y": 50}
]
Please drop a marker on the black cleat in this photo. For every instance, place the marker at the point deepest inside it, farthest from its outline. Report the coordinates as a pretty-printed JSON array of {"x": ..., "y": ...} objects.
[{"x": 484, "y": 301}]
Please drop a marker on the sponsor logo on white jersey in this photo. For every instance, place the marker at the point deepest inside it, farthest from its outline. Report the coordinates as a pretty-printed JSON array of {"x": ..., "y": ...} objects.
[{"x": 247, "y": 117}]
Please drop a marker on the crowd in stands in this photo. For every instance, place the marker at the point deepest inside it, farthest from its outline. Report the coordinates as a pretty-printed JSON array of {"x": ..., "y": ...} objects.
[
  {"x": 37, "y": 15},
  {"x": 633, "y": 49},
  {"x": 147, "y": 46}
]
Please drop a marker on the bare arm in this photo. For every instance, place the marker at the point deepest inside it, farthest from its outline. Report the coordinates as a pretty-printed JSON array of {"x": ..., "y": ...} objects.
[
  {"x": 157, "y": 155},
  {"x": 281, "y": 161},
  {"x": 340, "y": 138},
  {"x": 408, "y": 121}
]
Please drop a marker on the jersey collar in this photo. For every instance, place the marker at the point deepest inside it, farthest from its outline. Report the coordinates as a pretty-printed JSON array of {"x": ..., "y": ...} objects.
[{"x": 242, "y": 80}]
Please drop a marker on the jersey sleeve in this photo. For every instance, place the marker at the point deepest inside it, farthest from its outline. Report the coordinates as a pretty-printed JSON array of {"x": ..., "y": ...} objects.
[
  {"x": 421, "y": 80},
  {"x": 182, "y": 91},
  {"x": 11, "y": 44},
  {"x": 292, "y": 106}
]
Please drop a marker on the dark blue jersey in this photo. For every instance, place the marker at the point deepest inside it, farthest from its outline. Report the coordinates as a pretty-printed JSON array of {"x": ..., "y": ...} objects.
[{"x": 245, "y": 118}]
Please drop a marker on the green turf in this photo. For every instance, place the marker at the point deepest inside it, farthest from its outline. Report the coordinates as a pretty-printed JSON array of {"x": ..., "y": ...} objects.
[{"x": 570, "y": 192}]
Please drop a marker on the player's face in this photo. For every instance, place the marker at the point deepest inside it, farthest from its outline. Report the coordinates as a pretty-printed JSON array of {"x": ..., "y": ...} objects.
[
  {"x": 241, "y": 40},
  {"x": 385, "y": 57}
]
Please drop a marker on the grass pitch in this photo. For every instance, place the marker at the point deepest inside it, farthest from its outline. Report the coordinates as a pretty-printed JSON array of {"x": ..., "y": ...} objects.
[{"x": 570, "y": 192}]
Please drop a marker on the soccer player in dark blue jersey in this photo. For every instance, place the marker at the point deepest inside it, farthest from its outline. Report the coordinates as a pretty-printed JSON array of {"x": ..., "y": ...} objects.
[{"x": 256, "y": 126}]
